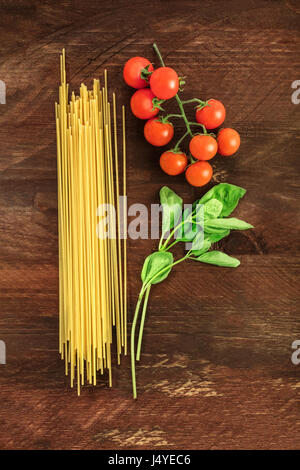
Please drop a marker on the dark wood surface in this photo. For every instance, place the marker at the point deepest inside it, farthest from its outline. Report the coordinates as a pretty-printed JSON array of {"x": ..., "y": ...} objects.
[{"x": 216, "y": 370}]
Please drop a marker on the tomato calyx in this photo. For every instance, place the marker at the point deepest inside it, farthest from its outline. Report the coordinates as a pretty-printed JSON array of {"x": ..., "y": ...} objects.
[
  {"x": 196, "y": 100},
  {"x": 164, "y": 120},
  {"x": 182, "y": 82},
  {"x": 203, "y": 105},
  {"x": 157, "y": 104},
  {"x": 192, "y": 160},
  {"x": 206, "y": 134},
  {"x": 146, "y": 72},
  {"x": 176, "y": 150}
]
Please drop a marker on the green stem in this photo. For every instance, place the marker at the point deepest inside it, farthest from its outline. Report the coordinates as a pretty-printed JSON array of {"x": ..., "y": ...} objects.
[
  {"x": 145, "y": 287},
  {"x": 173, "y": 115},
  {"x": 138, "y": 352},
  {"x": 176, "y": 148},
  {"x": 158, "y": 54},
  {"x": 136, "y": 314},
  {"x": 198, "y": 124},
  {"x": 190, "y": 217},
  {"x": 195, "y": 100},
  {"x": 170, "y": 246},
  {"x": 183, "y": 114},
  {"x": 171, "y": 234},
  {"x": 160, "y": 241}
]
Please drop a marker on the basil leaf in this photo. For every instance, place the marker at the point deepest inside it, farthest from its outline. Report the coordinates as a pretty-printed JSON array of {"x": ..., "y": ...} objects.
[
  {"x": 212, "y": 208},
  {"x": 216, "y": 236},
  {"x": 206, "y": 246},
  {"x": 172, "y": 208},
  {"x": 227, "y": 224},
  {"x": 219, "y": 259},
  {"x": 198, "y": 241},
  {"x": 154, "y": 264},
  {"x": 188, "y": 230},
  {"x": 189, "y": 233},
  {"x": 213, "y": 230},
  {"x": 228, "y": 194}
]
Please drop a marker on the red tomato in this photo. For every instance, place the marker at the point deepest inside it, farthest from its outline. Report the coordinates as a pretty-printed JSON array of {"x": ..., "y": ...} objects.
[
  {"x": 141, "y": 104},
  {"x": 132, "y": 71},
  {"x": 164, "y": 83},
  {"x": 158, "y": 133},
  {"x": 228, "y": 141},
  {"x": 211, "y": 116},
  {"x": 203, "y": 147},
  {"x": 199, "y": 174},
  {"x": 173, "y": 163}
]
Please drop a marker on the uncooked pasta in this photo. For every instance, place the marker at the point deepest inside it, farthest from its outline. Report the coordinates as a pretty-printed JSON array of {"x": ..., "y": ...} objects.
[{"x": 92, "y": 253}]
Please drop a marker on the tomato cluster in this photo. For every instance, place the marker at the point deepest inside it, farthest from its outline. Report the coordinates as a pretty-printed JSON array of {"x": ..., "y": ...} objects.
[
  {"x": 164, "y": 84},
  {"x": 156, "y": 86}
]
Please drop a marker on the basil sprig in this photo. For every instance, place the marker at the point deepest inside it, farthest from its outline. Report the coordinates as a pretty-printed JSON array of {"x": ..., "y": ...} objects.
[{"x": 204, "y": 224}]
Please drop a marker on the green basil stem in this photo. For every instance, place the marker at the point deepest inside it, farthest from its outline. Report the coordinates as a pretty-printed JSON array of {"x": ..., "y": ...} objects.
[
  {"x": 170, "y": 246},
  {"x": 137, "y": 308},
  {"x": 167, "y": 248},
  {"x": 192, "y": 215},
  {"x": 176, "y": 228},
  {"x": 136, "y": 314},
  {"x": 172, "y": 233},
  {"x": 176, "y": 96},
  {"x": 138, "y": 352},
  {"x": 160, "y": 240}
]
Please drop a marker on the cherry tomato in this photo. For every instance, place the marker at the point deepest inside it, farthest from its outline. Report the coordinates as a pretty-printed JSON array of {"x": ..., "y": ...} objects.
[
  {"x": 173, "y": 163},
  {"x": 199, "y": 174},
  {"x": 229, "y": 141},
  {"x": 132, "y": 71},
  {"x": 164, "y": 83},
  {"x": 141, "y": 104},
  {"x": 158, "y": 133},
  {"x": 211, "y": 116},
  {"x": 203, "y": 147}
]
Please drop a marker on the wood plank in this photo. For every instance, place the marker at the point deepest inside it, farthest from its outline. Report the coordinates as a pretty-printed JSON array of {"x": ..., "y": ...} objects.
[{"x": 216, "y": 368}]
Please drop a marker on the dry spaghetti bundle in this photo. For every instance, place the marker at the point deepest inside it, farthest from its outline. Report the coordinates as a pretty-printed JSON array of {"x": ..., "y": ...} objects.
[{"x": 92, "y": 260}]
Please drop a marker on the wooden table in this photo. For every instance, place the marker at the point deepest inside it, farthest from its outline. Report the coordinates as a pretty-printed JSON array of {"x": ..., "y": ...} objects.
[{"x": 216, "y": 369}]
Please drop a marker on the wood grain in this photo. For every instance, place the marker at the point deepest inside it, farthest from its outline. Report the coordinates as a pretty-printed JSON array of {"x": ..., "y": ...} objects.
[{"x": 216, "y": 368}]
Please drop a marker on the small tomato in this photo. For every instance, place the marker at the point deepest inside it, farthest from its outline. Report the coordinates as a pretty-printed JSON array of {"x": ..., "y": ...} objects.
[
  {"x": 132, "y": 71},
  {"x": 173, "y": 163},
  {"x": 164, "y": 83},
  {"x": 158, "y": 133},
  {"x": 203, "y": 147},
  {"x": 199, "y": 174},
  {"x": 141, "y": 104},
  {"x": 211, "y": 116},
  {"x": 228, "y": 141}
]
